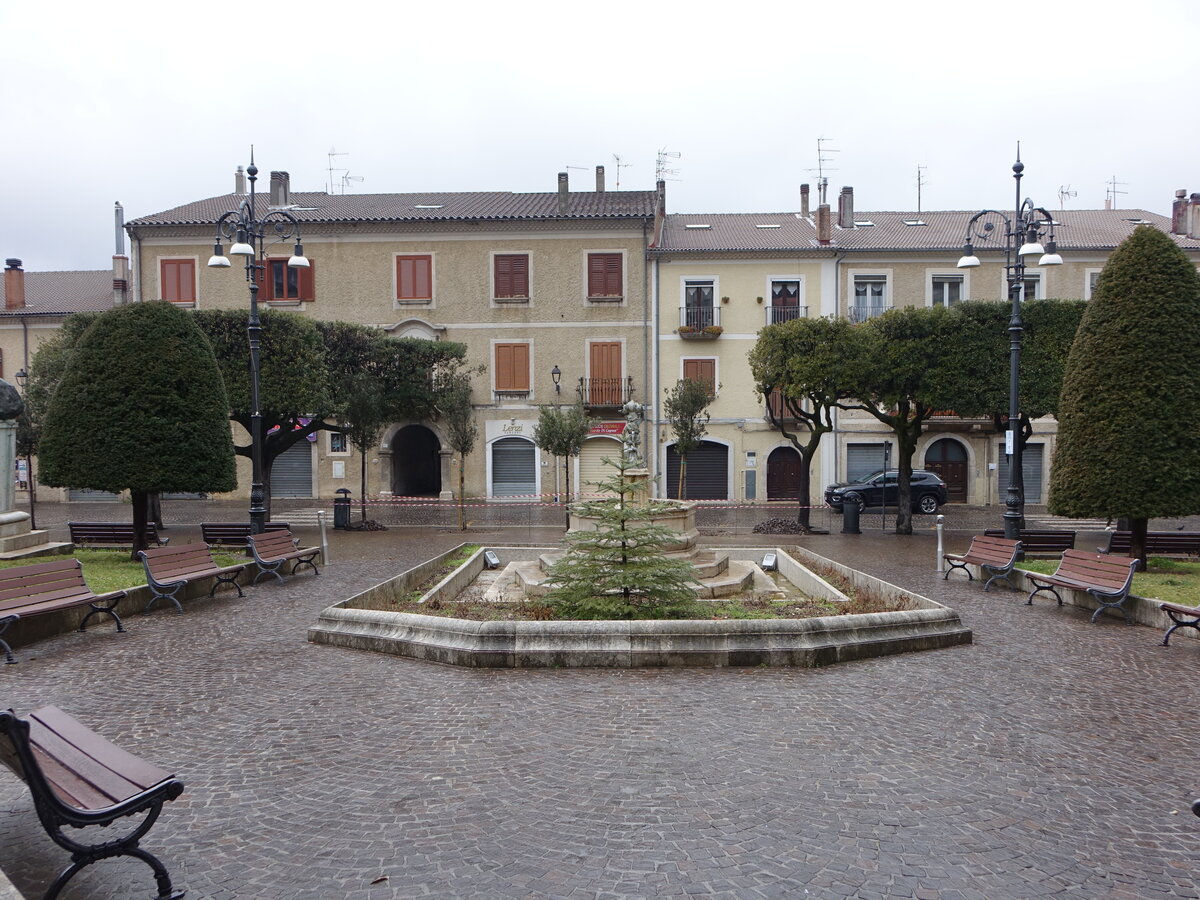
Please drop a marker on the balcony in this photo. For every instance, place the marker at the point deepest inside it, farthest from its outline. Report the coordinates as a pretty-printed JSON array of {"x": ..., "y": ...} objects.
[
  {"x": 606, "y": 393},
  {"x": 862, "y": 313},
  {"x": 776, "y": 315},
  {"x": 700, "y": 323}
]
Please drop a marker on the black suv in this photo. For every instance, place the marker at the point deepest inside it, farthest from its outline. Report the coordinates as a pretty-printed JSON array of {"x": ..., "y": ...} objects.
[{"x": 880, "y": 488}]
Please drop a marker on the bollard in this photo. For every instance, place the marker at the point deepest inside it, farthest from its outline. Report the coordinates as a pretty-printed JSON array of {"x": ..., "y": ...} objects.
[
  {"x": 850, "y": 518},
  {"x": 941, "y": 562},
  {"x": 324, "y": 537}
]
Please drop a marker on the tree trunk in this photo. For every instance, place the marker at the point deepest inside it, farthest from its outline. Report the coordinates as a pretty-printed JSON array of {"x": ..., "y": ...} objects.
[
  {"x": 804, "y": 493},
  {"x": 682, "y": 479},
  {"x": 362, "y": 488},
  {"x": 154, "y": 509},
  {"x": 1137, "y": 541},
  {"x": 139, "y": 501},
  {"x": 567, "y": 484},
  {"x": 906, "y": 446},
  {"x": 462, "y": 466}
]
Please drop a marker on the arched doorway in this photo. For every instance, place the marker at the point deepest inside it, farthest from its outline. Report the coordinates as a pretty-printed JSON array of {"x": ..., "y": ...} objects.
[
  {"x": 416, "y": 465},
  {"x": 948, "y": 458},
  {"x": 783, "y": 474}
]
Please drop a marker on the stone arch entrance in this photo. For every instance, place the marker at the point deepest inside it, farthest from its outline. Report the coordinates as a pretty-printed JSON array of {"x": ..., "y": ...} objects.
[
  {"x": 948, "y": 458},
  {"x": 783, "y": 474},
  {"x": 416, "y": 462}
]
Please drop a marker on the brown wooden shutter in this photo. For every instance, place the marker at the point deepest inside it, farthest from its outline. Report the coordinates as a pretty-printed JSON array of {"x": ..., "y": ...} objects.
[
  {"x": 306, "y": 282},
  {"x": 704, "y": 370},
  {"x": 414, "y": 277},
  {"x": 512, "y": 367},
  {"x": 604, "y": 274},
  {"x": 512, "y": 275},
  {"x": 178, "y": 280}
]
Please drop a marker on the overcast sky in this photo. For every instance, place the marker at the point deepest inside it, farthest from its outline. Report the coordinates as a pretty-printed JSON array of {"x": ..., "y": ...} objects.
[{"x": 156, "y": 104}]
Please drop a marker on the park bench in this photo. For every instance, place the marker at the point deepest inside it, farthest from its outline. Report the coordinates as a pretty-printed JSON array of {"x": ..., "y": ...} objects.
[
  {"x": 79, "y": 779},
  {"x": 48, "y": 587},
  {"x": 171, "y": 569},
  {"x": 1035, "y": 541},
  {"x": 1182, "y": 616},
  {"x": 234, "y": 534},
  {"x": 272, "y": 549},
  {"x": 1106, "y": 578},
  {"x": 1158, "y": 543},
  {"x": 119, "y": 533},
  {"x": 994, "y": 555}
]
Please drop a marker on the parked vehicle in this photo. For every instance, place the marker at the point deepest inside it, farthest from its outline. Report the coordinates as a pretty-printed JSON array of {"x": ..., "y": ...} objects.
[{"x": 928, "y": 491}]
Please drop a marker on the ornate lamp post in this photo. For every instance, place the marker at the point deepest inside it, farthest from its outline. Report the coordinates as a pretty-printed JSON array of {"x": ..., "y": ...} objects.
[
  {"x": 247, "y": 234},
  {"x": 1022, "y": 234}
]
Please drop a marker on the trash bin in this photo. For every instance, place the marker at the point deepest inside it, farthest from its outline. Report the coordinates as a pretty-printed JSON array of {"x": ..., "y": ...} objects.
[
  {"x": 341, "y": 509},
  {"x": 850, "y": 518}
]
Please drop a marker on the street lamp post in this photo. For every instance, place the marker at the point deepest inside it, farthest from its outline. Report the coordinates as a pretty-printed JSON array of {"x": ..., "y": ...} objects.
[
  {"x": 1021, "y": 236},
  {"x": 23, "y": 379},
  {"x": 248, "y": 233}
]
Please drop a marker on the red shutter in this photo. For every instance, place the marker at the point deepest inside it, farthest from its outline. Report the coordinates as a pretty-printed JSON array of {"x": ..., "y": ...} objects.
[{"x": 306, "y": 282}]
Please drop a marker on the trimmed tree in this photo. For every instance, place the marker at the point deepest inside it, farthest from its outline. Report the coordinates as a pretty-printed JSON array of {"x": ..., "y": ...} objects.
[
  {"x": 686, "y": 408},
  {"x": 561, "y": 431},
  {"x": 1129, "y": 422},
  {"x": 140, "y": 407},
  {"x": 462, "y": 431}
]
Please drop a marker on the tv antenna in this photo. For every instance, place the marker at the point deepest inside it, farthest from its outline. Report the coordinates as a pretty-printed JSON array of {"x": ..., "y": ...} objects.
[
  {"x": 347, "y": 178},
  {"x": 821, "y": 169},
  {"x": 619, "y": 166},
  {"x": 1111, "y": 190},
  {"x": 662, "y": 165},
  {"x": 1064, "y": 194},
  {"x": 333, "y": 153},
  {"x": 921, "y": 182}
]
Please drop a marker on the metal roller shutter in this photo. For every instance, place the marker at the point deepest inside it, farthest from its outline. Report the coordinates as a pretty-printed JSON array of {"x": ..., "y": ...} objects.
[
  {"x": 514, "y": 467},
  {"x": 862, "y": 460},
  {"x": 87, "y": 495},
  {"x": 1031, "y": 469},
  {"x": 291, "y": 473},
  {"x": 707, "y": 472},
  {"x": 592, "y": 469}
]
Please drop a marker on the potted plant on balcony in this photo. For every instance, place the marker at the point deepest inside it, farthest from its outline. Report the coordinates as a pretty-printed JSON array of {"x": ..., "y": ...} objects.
[{"x": 708, "y": 333}]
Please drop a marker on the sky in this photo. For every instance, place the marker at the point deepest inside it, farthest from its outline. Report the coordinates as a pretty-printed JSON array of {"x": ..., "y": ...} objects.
[{"x": 156, "y": 104}]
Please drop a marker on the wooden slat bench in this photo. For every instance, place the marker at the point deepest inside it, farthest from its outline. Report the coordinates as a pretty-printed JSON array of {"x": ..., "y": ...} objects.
[
  {"x": 1158, "y": 543},
  {"x": 171, "y": 569},
  {"x": 1106, "y": 578},
  {"x": 1182, "y": 616},
  {"x": 1045, "y": 541},
  {"x": 994, "y": 555},
  {"x": 272, "y": 549},
  {"x": 234, "y": 534},
  {"x": 79, "y": 779},
  {"x": 116, "y": 533},
  {"x": 48, "y": 587}
]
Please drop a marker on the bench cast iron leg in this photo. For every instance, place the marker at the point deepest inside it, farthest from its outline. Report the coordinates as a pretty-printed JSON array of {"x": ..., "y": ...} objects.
[
  {"x": 168, "y": 594},
  {"x": 957, "y": 565},
  {"x": 83, "y": 859},
  {"x": 9, "y": 659},
  {"x": 1179, "y": 623},
  {"x": 306, "y": 561},
  {"x": 1005, "y": 574},
  {"x": 1110, "y": 604},
  {"x": 227, "y": 579},
  {"x": 110, "y": 610},
  {"x": 1038, "y": 590}
]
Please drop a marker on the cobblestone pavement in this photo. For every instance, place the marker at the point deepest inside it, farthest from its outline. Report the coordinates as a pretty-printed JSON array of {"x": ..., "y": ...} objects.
[{"x": 1050, "y": 758}]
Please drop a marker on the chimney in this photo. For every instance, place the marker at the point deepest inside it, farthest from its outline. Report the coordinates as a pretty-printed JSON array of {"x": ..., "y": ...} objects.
[
  {"x": 14, "y": 284},
  {"x": 239, "y": 181},
  {"x": 562, "y": 193},
  {"x": 804, "y": 201},
  {"x": 1193, "y": 230},
  {"x": 661, "y": 191},
  {"x": 1179, "y": 213},
  {"x": 846, "y": 208},
  {"x": 599, "y": 179},
  {"x": 824, "y": 225},
  {"x": 280, "y": 189},
  {"x": 120, "y": 262}
]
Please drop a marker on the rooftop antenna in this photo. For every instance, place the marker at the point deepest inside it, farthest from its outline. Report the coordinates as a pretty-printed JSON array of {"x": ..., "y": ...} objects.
[
  {"x": 821, "y": 169},
  {"x": 619, "y": 166},
  {"x": 347, "y": 178},
  {"x": 921, "y": 182},
  {"x": 1111, "y": 190},
  {"x": 1064, "y": 194},
  {"x": 333, "y": 153},
  {"x": 662, "y": 166}
]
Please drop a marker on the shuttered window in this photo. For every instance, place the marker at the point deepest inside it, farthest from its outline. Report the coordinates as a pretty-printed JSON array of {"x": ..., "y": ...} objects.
[
  {"x": 604, "y": 276},
  {"x": 703, "y": 370},
  {"x": 280, "y": 282},
  {"x": 414, "y": 278},
  {"x": 512, "y": 368},
  {"x": 511, "y": 276},
  {"x": 178, "y": 280}
]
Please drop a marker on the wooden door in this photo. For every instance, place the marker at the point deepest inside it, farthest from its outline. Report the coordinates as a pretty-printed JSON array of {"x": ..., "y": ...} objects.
[
  {"x": 605, "y": 384},
  {"x": 948, "y": 459},
  {"x": 783, "y": 474}
]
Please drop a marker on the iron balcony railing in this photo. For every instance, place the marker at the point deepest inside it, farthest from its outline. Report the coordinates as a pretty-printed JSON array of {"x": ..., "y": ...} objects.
[
  {"x": 779, "y": 314},
  {"x": 862, "y": 313},
  {"x": 698, "y": 318},
  {"x": 606, "y": 392}
]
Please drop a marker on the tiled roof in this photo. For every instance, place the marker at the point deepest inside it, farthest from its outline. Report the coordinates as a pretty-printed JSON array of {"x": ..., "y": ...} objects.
[
  {"x": 943, "y": 230},
  {"x": 433, "y": 207},
  {"x": 60, "y": 293}
]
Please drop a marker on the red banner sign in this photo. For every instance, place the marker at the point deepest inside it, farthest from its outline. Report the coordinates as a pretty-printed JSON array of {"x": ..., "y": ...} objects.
[{"x": 608, "y": 428}]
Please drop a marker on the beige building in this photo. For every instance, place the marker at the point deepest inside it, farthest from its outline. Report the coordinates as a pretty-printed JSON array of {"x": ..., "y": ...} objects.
[
  {"x": 531, "y": 284},
  {"x": 720, "y": 278}
]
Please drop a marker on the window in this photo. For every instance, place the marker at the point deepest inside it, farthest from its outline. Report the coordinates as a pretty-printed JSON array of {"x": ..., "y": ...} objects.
[
  {"x": 511, "y": 369},
  {"x": 283, "y": 283},
  {"x": 337, "y": 442},
  {"x": 870, "y": 297},
  {"x": 785, "y": 302},
  {"x": 1031, "y": 286},
  {"x": 1093, "y": 276},
  {"x": 414, "y": 279},
  {"x": 510, "y": 277},
  {"x": 177, "y": 280},
  {"x": 604, "y": 276},
  {"x": 698, "y": 305},
  {"x": 702, "y": 370},
  {"x": 947, "y": 290}
]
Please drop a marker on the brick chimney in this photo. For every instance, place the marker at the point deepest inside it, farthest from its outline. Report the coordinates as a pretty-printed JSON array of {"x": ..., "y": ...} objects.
[
  {"x": 239, "y": 181},
  {"x": 824, "y": 225},
  {"x": 804, "y": 200},
  {"x": 1193, "y": 229},
  {"x": 1179, "y": 213},
  {"x": 280, "y": 189},
  {"x": 14, "y": 284},
  {"x": 562, "y": 193},
  {"x": 846, "y": 208},
  {"x": 599, "y": 179}
]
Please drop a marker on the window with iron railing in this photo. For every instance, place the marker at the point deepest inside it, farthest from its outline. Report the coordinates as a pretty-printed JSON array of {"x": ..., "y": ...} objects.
[
  {"x": 776, "y": 315},
  {"x": 698, "y": 318},
  {"x": 607, "y": 392}
]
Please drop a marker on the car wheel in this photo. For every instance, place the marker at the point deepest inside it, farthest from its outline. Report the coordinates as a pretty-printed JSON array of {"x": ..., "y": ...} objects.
[
  {"x": 928, "y": 504},
  {"x": 854, "y": 498}
]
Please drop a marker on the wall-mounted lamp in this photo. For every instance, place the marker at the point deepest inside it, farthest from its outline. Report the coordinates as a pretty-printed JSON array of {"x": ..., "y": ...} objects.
[{"x": 556, "y": 374}]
